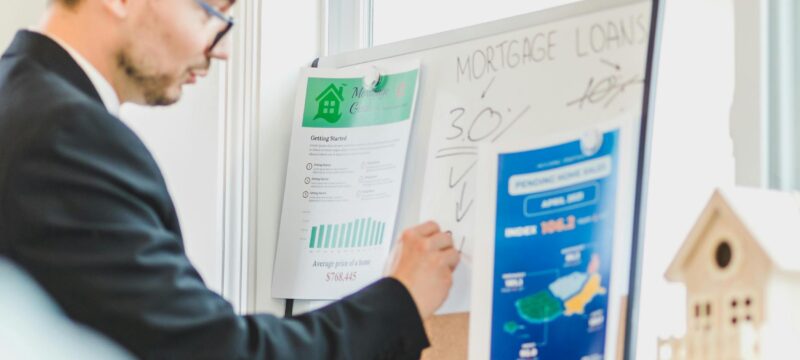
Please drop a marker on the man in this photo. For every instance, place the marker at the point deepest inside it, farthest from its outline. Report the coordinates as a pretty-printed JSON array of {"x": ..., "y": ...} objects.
[{"x": 84, "y": 208}]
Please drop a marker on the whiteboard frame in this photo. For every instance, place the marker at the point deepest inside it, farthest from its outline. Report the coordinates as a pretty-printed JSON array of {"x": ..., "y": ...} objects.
[
  {"x": 542, "y": 17},
  {"x": 642, "y": 173},
  {"x": 452, "y": 37}
]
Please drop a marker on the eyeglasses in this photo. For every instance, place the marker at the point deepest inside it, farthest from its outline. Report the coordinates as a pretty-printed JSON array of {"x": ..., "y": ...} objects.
[{"x": 228, "y": 20}]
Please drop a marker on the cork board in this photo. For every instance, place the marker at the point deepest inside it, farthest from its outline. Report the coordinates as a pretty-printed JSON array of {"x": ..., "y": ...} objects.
[{"x": 448, "y": 335}]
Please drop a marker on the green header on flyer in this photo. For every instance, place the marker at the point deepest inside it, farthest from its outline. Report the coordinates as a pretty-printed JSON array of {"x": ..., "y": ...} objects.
[{"x": 344, "y": 103}]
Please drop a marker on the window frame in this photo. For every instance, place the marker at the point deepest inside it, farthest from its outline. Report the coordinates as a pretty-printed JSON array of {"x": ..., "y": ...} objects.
[
  {"x": 348, "y": 25},
  {"x": 783, "y": 60}
]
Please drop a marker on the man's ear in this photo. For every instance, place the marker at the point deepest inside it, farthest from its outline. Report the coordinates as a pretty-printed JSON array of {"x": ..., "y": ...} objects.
[{"x": 118, "y": 8}]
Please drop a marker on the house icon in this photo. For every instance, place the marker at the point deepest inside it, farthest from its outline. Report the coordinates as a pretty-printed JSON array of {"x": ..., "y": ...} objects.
[
  {"x": 740, "y": 264},
  {"x": 329, "y": 103}
]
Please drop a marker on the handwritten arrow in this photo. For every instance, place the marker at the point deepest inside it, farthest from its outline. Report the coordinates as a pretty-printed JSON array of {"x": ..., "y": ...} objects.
[
  {"x": 487, "y": 87},
  {"x": 609, "y": 63},
  {"x": 459, "y": 205},
  {"x": 463, "y": 175}
]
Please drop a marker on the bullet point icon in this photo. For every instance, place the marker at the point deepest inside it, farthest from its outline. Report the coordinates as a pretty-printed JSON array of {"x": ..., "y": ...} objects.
[
  {"x": 305, "y": 194},
  {"x": 308, "y": 180},
  {"x": 309, "y": 166}
]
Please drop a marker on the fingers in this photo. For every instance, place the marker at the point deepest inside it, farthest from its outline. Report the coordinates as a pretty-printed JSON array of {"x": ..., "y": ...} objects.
[
  {"x": 451, "y": 258},
  {"x": 441, "y": 241},
  {"x": 427, "y": 229}
]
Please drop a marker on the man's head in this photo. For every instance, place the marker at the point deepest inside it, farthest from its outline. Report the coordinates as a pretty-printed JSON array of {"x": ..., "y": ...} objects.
[
  {"x": 68, "y": 3},
  {"x": 148, "y": 49}
]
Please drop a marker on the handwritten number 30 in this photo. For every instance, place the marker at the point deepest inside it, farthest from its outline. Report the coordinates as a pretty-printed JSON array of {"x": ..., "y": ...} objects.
[{"x": 486, "y": 115}]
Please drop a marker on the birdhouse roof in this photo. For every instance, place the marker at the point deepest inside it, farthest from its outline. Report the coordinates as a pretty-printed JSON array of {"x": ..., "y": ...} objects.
[{"x": 771, "y": 217}]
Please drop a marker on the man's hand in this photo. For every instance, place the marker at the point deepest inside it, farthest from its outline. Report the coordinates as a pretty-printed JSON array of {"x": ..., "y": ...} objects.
[{"x": 424, "y": 261}]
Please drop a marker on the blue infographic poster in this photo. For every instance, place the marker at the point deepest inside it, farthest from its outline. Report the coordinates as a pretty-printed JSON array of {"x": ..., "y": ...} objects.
[{"x": 553, "y": 248}]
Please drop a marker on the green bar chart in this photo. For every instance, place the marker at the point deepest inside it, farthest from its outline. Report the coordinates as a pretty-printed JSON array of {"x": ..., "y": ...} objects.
[{"x": 358, "y": 233}]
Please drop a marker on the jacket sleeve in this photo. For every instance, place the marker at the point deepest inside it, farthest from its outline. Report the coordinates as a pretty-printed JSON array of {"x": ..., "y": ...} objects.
[{"x": 89, "y": 216}]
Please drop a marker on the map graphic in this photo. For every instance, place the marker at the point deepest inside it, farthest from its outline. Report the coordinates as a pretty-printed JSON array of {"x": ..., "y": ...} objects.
[
  {"x": 553, "y": 247},
  {"x": 566, "y": 296}
]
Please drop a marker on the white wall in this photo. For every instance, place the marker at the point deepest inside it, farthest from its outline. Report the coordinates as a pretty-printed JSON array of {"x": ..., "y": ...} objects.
[
  {"x": 290, "y": 37},
  {"x": 185, "y": 140},
  {"x": 691, "y": 151},
  {"x": 25, "y": 14}
]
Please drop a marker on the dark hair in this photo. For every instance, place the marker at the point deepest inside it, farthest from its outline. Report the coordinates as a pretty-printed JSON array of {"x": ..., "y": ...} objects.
[{"x": 67, "y": 3}]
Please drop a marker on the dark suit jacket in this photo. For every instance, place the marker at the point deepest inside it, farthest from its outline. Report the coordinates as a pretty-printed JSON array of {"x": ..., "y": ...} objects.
[{"x": 84, "y": 209}]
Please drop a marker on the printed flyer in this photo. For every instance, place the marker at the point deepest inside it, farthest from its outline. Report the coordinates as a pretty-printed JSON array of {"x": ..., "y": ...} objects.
[
  {"x": 343, "y": 181},
  {"x": 553, "y": 212}
]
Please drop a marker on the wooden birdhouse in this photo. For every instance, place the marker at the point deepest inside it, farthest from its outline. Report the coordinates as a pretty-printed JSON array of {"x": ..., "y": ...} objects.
[{"x": 740, "y": 264}]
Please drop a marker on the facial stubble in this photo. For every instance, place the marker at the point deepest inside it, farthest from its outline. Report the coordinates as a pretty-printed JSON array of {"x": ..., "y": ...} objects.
[{"x": 154, "y": 87}]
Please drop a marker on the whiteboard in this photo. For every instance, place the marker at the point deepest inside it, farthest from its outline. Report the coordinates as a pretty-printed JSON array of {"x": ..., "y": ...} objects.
[{"x": 521, "y": 79}]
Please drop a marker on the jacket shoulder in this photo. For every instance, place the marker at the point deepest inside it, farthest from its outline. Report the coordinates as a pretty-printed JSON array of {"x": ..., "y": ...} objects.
[
  {"x": 44, "y": 118},
  {"x": 36, "y": 103}
]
